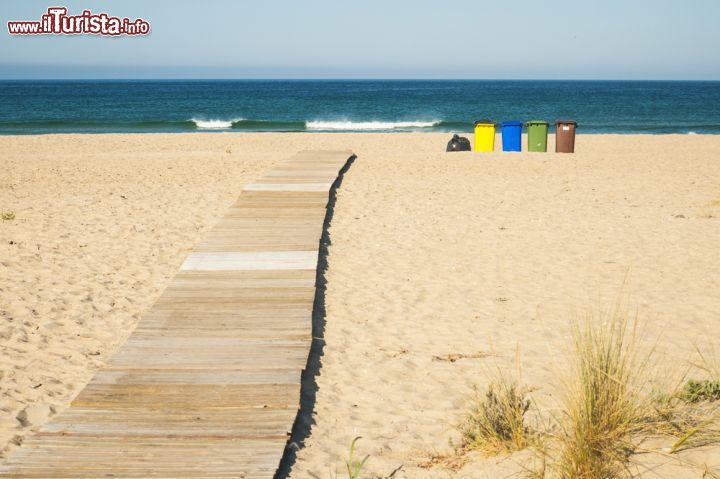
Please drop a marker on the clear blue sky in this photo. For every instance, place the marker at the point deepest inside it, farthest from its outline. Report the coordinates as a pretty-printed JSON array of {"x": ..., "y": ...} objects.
[{"x": 611, "y": 39}]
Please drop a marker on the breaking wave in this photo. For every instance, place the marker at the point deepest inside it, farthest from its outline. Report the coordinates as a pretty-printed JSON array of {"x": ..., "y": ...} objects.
[{"x": 214, "y": 124}]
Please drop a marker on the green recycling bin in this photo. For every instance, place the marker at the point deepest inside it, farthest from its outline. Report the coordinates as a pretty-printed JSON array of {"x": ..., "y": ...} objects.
[{"x": 537, "y": 135}]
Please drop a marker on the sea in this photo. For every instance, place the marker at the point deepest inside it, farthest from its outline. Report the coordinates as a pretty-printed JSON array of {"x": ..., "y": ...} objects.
[{"x": 142, "y": 106}]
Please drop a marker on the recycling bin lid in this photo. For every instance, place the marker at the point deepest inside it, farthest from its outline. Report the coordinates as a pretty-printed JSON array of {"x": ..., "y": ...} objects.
[
  {"x": 512, "y": 123},
  {"x": 537, "y": 122},
  {"x": 566, "y": 122},
  {"x": 484, "y": 122}
]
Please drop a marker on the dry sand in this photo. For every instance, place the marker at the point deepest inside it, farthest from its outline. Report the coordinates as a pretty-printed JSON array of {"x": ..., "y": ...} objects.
[{"x": 491, "y": 256}]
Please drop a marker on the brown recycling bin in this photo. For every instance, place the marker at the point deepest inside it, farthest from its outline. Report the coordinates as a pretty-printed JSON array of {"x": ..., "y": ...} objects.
[{"x": 565, "y": 136}]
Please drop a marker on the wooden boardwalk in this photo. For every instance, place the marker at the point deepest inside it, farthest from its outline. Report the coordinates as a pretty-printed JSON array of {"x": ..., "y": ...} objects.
[{"x": 208, "y": 385}]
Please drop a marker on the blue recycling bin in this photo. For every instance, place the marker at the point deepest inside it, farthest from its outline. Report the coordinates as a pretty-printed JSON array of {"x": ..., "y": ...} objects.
[{"x": 512, "y": 135}]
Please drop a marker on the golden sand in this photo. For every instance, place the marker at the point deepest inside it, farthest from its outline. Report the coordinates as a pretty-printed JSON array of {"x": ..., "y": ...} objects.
[{"x": 484, "y": 259}]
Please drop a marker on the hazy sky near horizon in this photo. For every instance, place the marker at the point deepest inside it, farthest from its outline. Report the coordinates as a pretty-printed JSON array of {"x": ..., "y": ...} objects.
[{"x": 522, "y": 39}]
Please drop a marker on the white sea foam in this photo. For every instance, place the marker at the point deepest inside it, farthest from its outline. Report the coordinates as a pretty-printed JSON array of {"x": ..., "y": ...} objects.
[
  {"x": 369, "y": 125},
  {"x": 214, "y": 124},
  {"x": 692, "y": 133}
]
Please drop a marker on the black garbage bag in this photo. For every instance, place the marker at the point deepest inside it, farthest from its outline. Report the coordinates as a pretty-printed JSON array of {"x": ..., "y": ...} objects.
[{"x": 458, "y": 143}]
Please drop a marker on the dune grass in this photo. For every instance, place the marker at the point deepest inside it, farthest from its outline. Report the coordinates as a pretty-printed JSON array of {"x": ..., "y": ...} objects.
[
  {"x": 693, "y": 416},
  {"x": 604, "y": 407},
  {"x": 613, "y": 400},
  {"x": 352, "y": 465},
  {"x": 612, "y": 403},
  {"x": 496, "y": 420},
  {"x": 708, "y": 389},
  {"x": 696, "y": 390}
]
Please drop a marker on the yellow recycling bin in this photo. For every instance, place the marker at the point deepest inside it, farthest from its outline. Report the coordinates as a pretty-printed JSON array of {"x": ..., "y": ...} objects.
[{"x": 484, "y": 135}]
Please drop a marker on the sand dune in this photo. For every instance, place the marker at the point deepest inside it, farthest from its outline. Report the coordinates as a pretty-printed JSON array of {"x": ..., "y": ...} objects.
[{"x": 482, "y": 259}]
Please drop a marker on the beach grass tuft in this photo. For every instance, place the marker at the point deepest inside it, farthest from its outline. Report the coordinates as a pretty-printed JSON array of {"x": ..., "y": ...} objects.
[
  {"x": 691, "y": 414},
  {"x": 709, "y": 362},
  {"x": 612, "y": 402},
  {"x": 610, "y": 406},
  {"x": 604, "y": 407},
  {"x": 696, "y": 391},
  {"x": 7, "y": 216},
  {"x": 353, "y": 466},
  {"x": 496, "y": 421}
]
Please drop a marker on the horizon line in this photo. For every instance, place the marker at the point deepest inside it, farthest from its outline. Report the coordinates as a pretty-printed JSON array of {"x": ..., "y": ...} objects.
[{"x": 364, "y": 79}]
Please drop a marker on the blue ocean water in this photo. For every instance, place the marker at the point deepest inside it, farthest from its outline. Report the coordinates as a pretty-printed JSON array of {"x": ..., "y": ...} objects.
[{"x": 31, "y": 107}]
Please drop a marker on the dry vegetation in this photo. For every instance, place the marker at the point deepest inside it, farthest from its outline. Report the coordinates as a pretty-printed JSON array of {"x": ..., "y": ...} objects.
[
  {"x": 610, "y": 406},
  {"x": 496, "y": 422},
  {"x": 604, "y": 408}
]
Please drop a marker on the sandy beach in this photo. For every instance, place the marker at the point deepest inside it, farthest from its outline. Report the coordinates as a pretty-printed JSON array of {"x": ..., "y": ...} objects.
[{"x": 442, "y": 269}]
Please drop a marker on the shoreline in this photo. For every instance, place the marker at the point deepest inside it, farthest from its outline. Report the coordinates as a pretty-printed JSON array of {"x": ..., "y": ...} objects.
[{"x": 338, "y": 132}]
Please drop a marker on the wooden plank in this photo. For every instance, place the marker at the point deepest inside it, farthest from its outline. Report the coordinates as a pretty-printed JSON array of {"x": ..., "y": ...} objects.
[
  {"x": 236, "y": 423},
  {"x": 184, "y": 396},
  {"x": 250, "y": 261},
  {"x": 77, "y": 456},
  {"x": 267, "y": 185},
  {"x": 208, "y": 385}
]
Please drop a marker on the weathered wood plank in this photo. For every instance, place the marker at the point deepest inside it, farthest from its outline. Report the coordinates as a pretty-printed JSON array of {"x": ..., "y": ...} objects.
[
  {"x": 250, "y": 261},
  {"x": 208, "y": 385}
]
